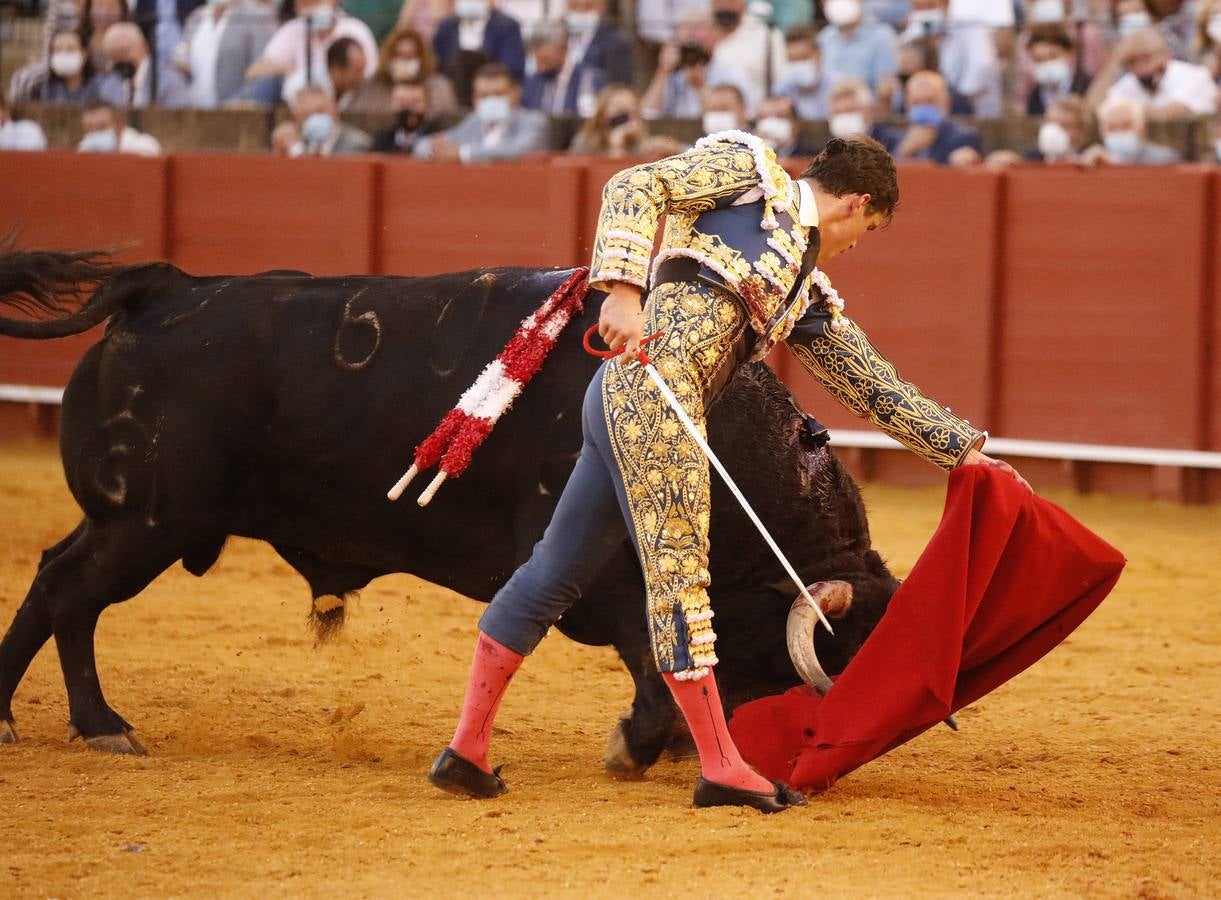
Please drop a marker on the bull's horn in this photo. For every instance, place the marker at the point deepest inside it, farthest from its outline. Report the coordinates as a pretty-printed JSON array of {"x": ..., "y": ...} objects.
[{"x": 803, "y": 619}]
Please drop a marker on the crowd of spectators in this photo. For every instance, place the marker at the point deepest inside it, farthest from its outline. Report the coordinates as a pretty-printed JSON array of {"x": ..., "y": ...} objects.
[{"x": 477, "y": 80}]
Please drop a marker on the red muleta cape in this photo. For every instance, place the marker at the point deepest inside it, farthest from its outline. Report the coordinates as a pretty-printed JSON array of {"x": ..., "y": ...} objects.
[{"x": 1006, "y": 577}]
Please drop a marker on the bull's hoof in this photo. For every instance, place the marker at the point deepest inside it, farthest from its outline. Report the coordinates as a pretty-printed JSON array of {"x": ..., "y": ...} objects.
[
  {"x": 617, "y": 758},
  {"x": 126, "y": 744},
  {"x": 8, "y": 732}
]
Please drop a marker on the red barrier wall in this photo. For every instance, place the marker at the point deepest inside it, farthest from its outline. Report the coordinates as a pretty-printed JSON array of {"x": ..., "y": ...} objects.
[
  {"x": 450, "y": 217},
  {"x": 79, "y": 201},
  {"x": 1057, "y": 305},
  {"x": 243, "y": 214},
  {"x": 1103, "y": 291}
]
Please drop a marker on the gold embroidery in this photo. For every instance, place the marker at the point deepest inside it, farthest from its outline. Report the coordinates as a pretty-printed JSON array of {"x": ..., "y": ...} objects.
[
  {"x": 860, "y": 378},
  {"x": 664, "y": 473}
]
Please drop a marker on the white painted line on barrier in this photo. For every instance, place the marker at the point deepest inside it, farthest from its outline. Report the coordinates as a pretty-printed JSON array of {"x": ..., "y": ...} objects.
[
  {"x": 872, "y": 440},
  {"x": 1141, "y": 456},
  {"x": 28, "y": 393}
]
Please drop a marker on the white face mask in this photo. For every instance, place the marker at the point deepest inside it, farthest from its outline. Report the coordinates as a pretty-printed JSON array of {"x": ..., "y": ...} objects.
[
  {"x": 775, "y": 130},
  {"x": 1052, "y": 73},
  {"x": 719, "y": 120},
  {"x": 803, "y": 73},
  {"x": 104, "y": 141},
  {"x": 67, "y": 63},
  {"x": 1123, "y": 145},
  {"x": 926, "y": 20},
  {"x": 492, "y": 110},
  {"x": 1130, "y": 22},
  {"x": 317, "y": 128},
  {"x": 471, "y": 9},
  {"x": 321, "y": 17},
  {"x": 1047, "y": 11},
  {"x": 847, "y": 123},
  {"x": 582, "y": 22},
  {"x": 1213, "y": 29},
  {"x": 842, "y": 13},
  {"x": 1054, "y": 142},
  {"x": 404, "y": 69}
]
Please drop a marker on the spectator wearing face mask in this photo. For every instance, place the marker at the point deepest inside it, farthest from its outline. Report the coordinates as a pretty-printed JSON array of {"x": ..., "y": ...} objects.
[
  {"x": 407, "y": 58},
  {"x": 801, "y": 78},
  {"x": 19, "y": 134},
  {"x": 476, "y": 27},
  {"x": 412, "y": 120},
  {"x": 748, "y": 44},
  {"x": 964, "y": 52},
  {"x": 1121, "y": 123},
  {"x": 724, "y": 109},
  {"x": 597, "y": 55},
  {"x": 498, "y": 128},
  {"x": 685, "y": 69},
  {"x": 1089, "y": 40},
  {"x": 1056, "y": 74},
  {"x": 778, "y": 126},
  {"x": 850, "y": 111},
  {"x": 220, "y": 41},
  {"x": 548, "y": 49},
  {"x": 322, "y": 134},
  {"x": 28, "y": 82},
  {"x": 1062, "y": 138},
  {"x": 284, "y": 67},
  {"x": 930, "y": 134},
  {"x": 1166, "y": 88},
  {"x": 616, "y": 128},
  {"x": 854, "y": 46},
  {"x": 1172, "y": 18},
  {"x": 345, "y": 69},
  {"x": 106, "y": 131},
  {"x": 71, "y": 78},
  {"x": 129, "y": 59}
]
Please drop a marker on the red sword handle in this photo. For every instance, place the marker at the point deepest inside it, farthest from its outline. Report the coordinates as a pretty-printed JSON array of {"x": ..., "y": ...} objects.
[{"x": 641, "y": 356}]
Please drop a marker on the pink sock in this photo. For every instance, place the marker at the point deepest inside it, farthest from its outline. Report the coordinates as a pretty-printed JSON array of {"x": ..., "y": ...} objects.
[
  {"x": 720, "y": 761},
  {"x": 491, "y": 671}
]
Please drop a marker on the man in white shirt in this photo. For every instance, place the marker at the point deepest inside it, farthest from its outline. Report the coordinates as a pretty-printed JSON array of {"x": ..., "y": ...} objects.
[
  {"x": 1167, "y": 88},
  {"x": 221, "y": 40},
  {"x": 323, "y": 23},
  {"x": 106, "y": 131},
  {"x": 749, "y": 45}
]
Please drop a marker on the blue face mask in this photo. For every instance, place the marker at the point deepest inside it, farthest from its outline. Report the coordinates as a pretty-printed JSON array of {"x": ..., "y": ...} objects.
[
  {"x": 926, "y": 114},
  {"x": 100, "y": 142},
  {"x": 1123, "y": 145},
  {"x": 317, "y": 128},
  {"x": 492, "y": 110}
]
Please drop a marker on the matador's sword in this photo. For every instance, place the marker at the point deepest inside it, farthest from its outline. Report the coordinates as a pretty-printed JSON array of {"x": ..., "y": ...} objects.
[{"x": 647, "y": 364}]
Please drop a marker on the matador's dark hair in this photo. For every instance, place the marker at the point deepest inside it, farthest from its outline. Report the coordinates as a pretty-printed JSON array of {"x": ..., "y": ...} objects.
[{"x": 857, "y": 165}]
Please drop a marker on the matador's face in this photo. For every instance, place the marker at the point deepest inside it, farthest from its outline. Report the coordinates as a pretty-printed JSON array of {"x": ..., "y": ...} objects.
[{"x": 840, "y": 234}]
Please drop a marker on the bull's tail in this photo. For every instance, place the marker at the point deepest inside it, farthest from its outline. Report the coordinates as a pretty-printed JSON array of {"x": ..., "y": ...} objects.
[{"x": 76, "y": 288}]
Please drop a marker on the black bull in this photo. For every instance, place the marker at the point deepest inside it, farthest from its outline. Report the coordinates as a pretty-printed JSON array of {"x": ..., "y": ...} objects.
[{"x": 282, "y": 407}]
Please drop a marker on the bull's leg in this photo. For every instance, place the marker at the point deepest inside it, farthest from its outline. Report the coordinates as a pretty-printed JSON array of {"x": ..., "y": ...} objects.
[
  {"x": 639, "y": 738},
  {"x": 109, "y": 563},
  {"x": 30, "y": 629}
]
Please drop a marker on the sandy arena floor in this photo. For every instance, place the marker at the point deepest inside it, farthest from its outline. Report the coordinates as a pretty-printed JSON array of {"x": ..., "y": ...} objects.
[{"x": 278, "y": 768}]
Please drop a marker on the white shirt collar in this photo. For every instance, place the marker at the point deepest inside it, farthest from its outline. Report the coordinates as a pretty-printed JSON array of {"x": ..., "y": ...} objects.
[{"x": 807, "y": 208}]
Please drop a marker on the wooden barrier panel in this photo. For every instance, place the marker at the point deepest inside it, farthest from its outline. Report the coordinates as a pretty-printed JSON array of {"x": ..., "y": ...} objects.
[
  {"x": 446, "y": 217},
  {"x": 1212, "y": 313},
  {"x": 73, "y": 201},
  {"x": 243, "y": 214},
  {"x": 1103, "y": 280},
  {"x": 923, "y": 291}
]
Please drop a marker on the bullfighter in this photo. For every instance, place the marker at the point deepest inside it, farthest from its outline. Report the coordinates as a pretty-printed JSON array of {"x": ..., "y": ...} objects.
[{"x": 736, "y": 273}]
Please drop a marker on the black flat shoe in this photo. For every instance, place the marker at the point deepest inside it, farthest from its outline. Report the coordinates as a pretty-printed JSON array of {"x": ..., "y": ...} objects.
[
  {"x": 459, "y": 775},
  {"x": 708, "y": 793}
]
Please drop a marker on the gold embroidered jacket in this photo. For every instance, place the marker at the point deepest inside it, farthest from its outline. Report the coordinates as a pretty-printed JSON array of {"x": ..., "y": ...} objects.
[{"x": 830, "y": 346}]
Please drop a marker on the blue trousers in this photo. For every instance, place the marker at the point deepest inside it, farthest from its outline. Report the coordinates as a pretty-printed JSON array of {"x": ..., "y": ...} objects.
[{"x": 590, "y": 523}]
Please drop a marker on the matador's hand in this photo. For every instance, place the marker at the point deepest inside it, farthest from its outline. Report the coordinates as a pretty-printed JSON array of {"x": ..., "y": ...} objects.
[
  {"x": 975, "y": 458},
  {"x": 621, "y": 322}
]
